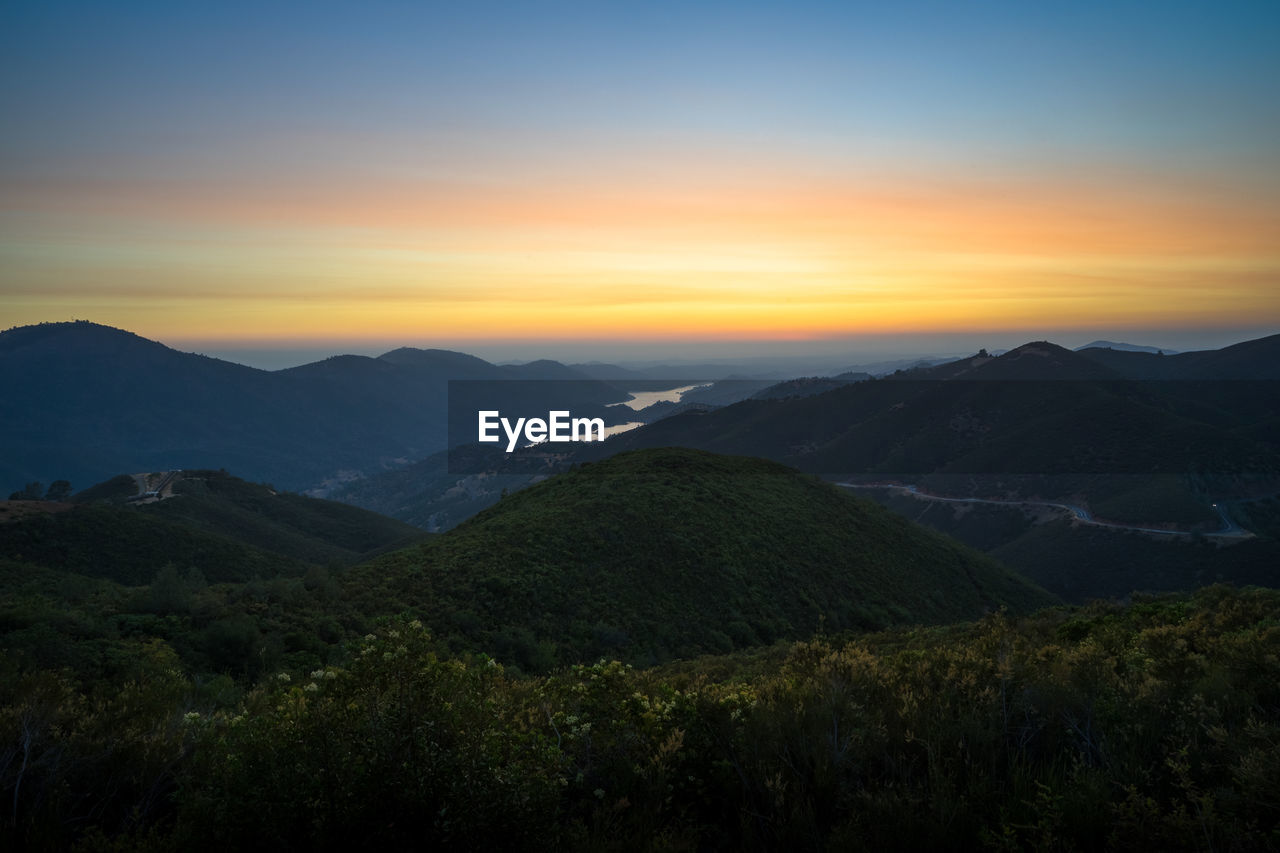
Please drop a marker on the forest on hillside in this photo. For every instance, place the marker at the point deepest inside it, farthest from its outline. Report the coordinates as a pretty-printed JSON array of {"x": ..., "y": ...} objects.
[{"x": 1149, "y": 725}]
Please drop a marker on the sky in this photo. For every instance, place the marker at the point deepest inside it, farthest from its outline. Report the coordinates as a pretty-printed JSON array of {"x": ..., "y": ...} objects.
[{"x": 680, "y": 179}]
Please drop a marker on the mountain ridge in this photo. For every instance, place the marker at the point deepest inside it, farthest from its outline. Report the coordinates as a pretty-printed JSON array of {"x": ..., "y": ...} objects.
[
  {"x": 82, "y": 401},
  {"x": 1119, "y": 345}
]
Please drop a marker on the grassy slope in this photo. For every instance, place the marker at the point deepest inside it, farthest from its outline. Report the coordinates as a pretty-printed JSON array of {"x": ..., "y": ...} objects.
[
  {"x": 304, "y": 528},
  {"x": 129, "y": 547},
  {"x": 670, "y": 552},
  {"x": 227, "y": 528}
]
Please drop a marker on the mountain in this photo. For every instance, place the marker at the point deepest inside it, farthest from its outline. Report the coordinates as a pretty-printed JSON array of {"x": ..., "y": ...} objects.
[
  {"x": 807, "y": 386},
  {"x": 543, "y": 369},
  {"x": 1040, "y": 361},
  {"x": 601, "y": 370},
  {"x": 1042, "y": 423},
  {"x": 918, "y": 425},
  {"x": 1126, "y": 347},
  {"x": 685, "y": 371},
  {"x": 81, "y": 401},
  {"x": 884, "y": 368},
  {"x": 1037, "y": 409},
  {"x": 457, "y": 364},
  {"x": 985, "y": 425},
  {"x": 1251, "y": 360},
  {"x": 671, "y": 553}
]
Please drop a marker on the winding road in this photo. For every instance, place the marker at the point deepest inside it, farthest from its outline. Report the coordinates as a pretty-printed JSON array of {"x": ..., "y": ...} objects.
[{"x": 1230, "y": 530}]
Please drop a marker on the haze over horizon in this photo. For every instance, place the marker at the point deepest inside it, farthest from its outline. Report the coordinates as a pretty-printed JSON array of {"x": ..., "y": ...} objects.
[
  {"x": 841, "y": 352},
  {"x": 792, "y": 358},
  {"x": 642, "y": 181}
]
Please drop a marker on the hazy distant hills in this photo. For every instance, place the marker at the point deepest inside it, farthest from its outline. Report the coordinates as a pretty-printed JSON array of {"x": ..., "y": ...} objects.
[
  {"x": 1256, "y": 359},
  {"x": 1127, "y": 347},
  {"x": 808, "y": 386},
  {"x": 80, "y": 401},
  {"x": 1037, "y": 409},
  {"x": 667, "y": 553},
  {"x": 1039, "y": 361}
]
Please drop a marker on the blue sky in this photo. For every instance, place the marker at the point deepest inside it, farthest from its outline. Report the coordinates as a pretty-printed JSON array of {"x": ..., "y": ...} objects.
[{"x": 424, "y": 154}]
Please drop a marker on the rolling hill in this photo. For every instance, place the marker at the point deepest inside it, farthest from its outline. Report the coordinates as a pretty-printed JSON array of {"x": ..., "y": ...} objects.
[
  {"x": 228, "y": 529},
  {"x": 670, "y": 553}
]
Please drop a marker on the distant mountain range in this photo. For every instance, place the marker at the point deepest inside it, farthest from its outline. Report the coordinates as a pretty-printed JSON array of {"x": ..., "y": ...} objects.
[
  {"x": 1038, "y": 409},
  {"x": 1035, "y": 410},
  {"x": 81, "y": 402},
  {"x": 1127, "y": 347},
  {"x": 1256, "y": 359}
]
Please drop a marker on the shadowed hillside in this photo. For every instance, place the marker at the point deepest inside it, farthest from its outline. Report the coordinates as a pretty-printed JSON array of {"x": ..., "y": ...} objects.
[
  {"x": 220, "y": 525},
  {"x": 668, "y": 553}
]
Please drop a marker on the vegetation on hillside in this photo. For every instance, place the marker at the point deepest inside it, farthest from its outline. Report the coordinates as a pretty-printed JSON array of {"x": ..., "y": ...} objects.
[
  {"x": 673, "y": 553},
  {"x": 234, "y": 577},
  {"x": 1078, "y": 562},
  {"x": 1154, "y": 725},
  {"x": 315, "y": 531},
  {"x": 217, "y": 524},
  {"x": 477, "y": 690}
]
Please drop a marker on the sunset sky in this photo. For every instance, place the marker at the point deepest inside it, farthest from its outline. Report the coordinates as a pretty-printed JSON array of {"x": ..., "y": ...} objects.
[{"x": 528, "y": 176}]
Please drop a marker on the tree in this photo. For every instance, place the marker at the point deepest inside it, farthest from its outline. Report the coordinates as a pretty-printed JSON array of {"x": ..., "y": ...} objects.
[
  {"x": 170, "y": 592},
  {"x": 31, "y": 492},
  {"x": 59, "y": 490}
]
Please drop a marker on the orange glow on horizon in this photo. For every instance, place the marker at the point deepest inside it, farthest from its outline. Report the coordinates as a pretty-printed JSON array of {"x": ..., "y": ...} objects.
[{"x": 741, "y": 258}]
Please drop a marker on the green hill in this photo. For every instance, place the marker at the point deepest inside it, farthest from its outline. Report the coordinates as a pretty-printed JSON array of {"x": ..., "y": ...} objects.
[
  {"x": 128, "y": 546},
  {"x": 673, "y": 552},
  {"x": 227, "y": 528},
  {"x": 232, "y": 577},
  {"x": 307, "y": 529}
]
